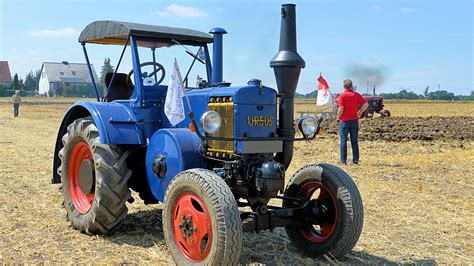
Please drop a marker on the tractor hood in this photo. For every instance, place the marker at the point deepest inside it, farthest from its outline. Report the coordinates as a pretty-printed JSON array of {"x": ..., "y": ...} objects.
[
  {"x": 246, "y": 111},
  {"x": 248, "y": 94}
]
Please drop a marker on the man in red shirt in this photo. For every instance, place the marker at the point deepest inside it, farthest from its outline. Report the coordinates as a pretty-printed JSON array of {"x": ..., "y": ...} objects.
[{"x": 349, "y": 113}]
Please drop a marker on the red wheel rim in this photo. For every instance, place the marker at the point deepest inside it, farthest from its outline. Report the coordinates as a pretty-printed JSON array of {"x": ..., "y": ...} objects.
[
  {"x": 82, "y": 201},
  {"x": 319, "y": 232},
  {"x": 192, "y": 227}
]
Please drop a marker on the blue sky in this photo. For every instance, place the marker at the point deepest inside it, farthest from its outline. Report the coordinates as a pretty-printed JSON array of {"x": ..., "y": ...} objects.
[{"x": 414, "y": 44}]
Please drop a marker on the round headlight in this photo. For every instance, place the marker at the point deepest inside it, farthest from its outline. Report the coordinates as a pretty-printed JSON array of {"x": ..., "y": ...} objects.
[
  {"x": 210, "y": 122},
  {"x": 307, "y": 125}
]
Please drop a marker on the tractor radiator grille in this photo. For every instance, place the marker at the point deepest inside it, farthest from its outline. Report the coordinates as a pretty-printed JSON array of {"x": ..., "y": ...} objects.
[{"x": 225, "y": 107}]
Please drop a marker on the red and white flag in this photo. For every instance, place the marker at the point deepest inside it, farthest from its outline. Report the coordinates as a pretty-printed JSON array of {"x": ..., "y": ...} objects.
[{"x": 324, "y": 94}]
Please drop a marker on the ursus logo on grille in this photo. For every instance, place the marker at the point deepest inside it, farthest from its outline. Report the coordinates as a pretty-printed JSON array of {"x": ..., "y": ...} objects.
[{"x": 260, "y": 121}]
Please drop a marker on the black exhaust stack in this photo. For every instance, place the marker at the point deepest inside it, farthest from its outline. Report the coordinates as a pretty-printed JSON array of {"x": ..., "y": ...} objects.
[{"x": 287, "y": 65}]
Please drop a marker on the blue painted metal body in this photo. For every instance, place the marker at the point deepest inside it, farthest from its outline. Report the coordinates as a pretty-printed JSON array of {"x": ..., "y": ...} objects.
[
  {"x": 249, "y": 101},
  {"x": 141, "y": 121},
  {"x": 180, "y": 148},
  {"x": 116, "y": 122}
]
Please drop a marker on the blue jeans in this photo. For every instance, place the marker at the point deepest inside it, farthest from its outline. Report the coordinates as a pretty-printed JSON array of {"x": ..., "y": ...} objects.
[
  {"x": 352, "y": 127},
  {"x": 16, "y": 107}
]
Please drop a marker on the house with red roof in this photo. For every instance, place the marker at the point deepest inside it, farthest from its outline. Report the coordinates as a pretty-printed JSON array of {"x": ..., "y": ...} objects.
[{"x": 5, "y": 75}]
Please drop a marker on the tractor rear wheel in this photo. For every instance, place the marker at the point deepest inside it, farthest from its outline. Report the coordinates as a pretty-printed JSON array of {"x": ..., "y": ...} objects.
[
  {"x": 201, "y": 220},
  {"x": 94, "y": 178},
  {"x": 338, "y": 232}
]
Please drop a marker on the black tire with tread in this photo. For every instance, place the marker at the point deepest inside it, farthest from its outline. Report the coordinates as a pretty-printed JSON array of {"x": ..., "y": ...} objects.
[
  {"x": 224, "y": 212},
  {"x": 111, "y": 175},
  {"x": 349, "y": 205}
]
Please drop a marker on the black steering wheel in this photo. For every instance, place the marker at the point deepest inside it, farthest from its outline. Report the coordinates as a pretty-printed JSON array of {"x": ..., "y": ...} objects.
[{"x": 159, "y": 67}]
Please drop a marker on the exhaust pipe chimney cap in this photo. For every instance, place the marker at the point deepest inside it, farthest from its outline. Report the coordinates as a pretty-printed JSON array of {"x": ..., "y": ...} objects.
[
  {"x": 217, "y": 31},
  {"x": 287, "y": 55}
]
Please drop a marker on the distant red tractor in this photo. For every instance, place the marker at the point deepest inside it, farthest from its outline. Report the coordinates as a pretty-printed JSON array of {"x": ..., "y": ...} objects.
[{"x": 375, "y": 106}]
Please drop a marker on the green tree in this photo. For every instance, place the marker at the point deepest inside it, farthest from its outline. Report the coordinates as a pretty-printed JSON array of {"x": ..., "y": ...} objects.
[
  {"x": 30, "y": 82},
  {"x": 441, "y": 95},
  {"x": 4, "y": 91},
  {"x": 425, "y": 92},
  {"x": 52, "y": 92},
  {"x": 21, "y": 84},
  {"x": 37, "y": 78},
  {"x": 77, "y": 90},
  {"x": 16, "y": 82},
  {"x": 106, "y": 68}
]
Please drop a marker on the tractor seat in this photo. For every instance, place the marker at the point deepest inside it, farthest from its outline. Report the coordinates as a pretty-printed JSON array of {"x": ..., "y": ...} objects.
[{"x": 120, "y": 89}]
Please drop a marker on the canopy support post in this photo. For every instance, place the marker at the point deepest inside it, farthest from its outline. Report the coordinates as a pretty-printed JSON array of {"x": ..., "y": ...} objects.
[
  {"x": 208, "y": 64},
  {"x": 137, "y": 75},
  {"x": 90, "y": 71}
]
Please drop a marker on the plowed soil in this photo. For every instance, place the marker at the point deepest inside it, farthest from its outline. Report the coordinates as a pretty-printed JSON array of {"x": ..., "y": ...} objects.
[{"x": 411, "y": 128}]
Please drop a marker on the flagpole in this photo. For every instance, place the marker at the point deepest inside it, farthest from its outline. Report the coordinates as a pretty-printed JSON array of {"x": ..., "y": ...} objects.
[
  {"x": 317, "y": 93},
  {"x": 182, "y": 87}
]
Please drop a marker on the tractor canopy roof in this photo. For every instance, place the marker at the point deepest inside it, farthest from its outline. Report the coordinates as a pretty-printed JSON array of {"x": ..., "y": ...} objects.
[{"x": 116, "y": 32}]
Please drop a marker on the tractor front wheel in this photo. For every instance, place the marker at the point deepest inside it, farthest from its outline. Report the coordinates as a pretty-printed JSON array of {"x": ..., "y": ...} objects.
[
  {"x": 201, "y": 220},
  {"x": 94, "y": 178},
  {"x": 337, "y": 230}
]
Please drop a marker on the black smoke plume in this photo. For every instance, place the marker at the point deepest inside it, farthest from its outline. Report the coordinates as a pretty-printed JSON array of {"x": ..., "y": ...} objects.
[{"x": 375, "y": 75}]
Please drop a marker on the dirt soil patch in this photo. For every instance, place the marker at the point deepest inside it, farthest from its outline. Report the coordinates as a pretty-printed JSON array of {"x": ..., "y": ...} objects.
[{"x": 411, "y": 128}]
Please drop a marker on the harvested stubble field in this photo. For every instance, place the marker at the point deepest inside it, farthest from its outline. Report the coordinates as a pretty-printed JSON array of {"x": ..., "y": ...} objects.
[{"x": 418, "y": 197}]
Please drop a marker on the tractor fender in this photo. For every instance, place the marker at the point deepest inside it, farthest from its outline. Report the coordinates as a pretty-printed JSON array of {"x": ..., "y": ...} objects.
[
  {"x": 178, "y": 149},
  {"x": 115, "y": 121}
]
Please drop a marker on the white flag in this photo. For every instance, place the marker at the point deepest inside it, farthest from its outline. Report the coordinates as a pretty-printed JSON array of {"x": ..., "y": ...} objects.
[
  {"x": 324, "y": 98},
  {"x": 174, "y": 107}
]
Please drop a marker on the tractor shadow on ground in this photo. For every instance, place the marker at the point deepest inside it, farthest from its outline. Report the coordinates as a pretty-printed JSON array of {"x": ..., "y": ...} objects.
[
  {"x": 358, "y": 257},
  {"x": 142, "y": 228},
  {"x": 279, "y": 250}
]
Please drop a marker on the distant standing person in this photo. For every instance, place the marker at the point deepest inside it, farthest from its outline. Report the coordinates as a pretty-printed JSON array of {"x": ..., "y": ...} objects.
[
  {"x": 349, "y": 113},
  {"x": 16, "y": 103}
]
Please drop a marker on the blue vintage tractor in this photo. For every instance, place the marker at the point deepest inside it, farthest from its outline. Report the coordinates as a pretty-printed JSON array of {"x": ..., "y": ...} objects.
[{"x": 217, "y": 170}]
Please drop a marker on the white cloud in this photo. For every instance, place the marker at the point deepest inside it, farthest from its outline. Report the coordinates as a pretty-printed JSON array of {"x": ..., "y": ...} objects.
[
  {"x": 219, "y": 9},
  {"x": 407, "y": 10},
  {"x": 181, "y": 11},
  {"x": 57, "y": 33}
]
